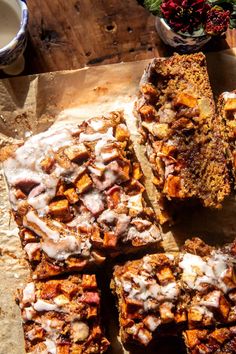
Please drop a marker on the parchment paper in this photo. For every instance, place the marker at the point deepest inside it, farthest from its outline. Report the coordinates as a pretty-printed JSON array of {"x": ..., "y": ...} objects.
[{"x": 29, "y": 105}]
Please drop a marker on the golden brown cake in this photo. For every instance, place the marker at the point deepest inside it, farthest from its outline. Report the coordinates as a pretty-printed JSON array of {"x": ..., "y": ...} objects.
[
  {"x": 216, "y": 341},
  {"x": 77, "y": 198},
  {"x": 62, "y": 316},
  {"x": 181, "y": 131},
  {"x": 163, "y": 293},
  {"x": 227, "y": 112}
]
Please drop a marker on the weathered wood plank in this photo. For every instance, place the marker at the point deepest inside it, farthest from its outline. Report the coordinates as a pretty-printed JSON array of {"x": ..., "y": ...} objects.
[{"x": 74, "y": 33}]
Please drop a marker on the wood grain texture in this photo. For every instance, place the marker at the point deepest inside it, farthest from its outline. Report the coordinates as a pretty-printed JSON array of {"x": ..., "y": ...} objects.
[{"x": 74, "y": 33}]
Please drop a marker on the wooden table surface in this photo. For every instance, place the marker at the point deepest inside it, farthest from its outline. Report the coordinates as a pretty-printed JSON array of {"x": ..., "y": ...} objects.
[{"x": 74, "y": 33}]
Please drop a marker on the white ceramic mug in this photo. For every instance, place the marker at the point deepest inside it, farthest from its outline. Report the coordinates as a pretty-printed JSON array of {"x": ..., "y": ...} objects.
[{"x": 13, "y": 35}]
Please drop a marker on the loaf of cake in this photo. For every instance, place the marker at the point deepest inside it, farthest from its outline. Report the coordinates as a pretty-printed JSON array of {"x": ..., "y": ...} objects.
[
  {"x": 166, "y": 293},
  {"x": 214, "y": 341},
  {"x": 181, "y": 131},
  {"x": 76, "y": 196},
  {"x": 227, "y": 113},
  {"x": 62, "y": 316}
]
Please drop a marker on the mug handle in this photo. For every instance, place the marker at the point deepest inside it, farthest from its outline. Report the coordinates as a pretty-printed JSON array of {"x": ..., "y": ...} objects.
[{"x": 16, "y": 67}]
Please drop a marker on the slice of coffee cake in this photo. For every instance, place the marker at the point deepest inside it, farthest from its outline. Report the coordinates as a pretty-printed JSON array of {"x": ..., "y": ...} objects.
[
  {"x": 167, "y": 293},
  {"x": 62, "y": 316},
  {"x": 76, "y": 196},
  {"x": 181, "y": 131},
  {"x": 227, "y": 112},
  {"x": 215, "y": 341}
]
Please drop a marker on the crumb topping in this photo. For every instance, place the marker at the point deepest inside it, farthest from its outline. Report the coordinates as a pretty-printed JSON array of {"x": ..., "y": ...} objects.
[
  {"x": 175, "y": 289},
  {"x": 62, "y": 313},
  {"x": 76, "y": 195}
]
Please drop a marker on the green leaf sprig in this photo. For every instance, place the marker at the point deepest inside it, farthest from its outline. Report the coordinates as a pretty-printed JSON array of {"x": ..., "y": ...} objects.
[{"x": 153, "y": 6}]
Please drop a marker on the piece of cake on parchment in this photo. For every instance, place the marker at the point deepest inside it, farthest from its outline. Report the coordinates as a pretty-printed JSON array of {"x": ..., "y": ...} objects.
[
  {"x": 62, "y": 316},
  {"x": 181, "y": 131},
  {"x": 227, "y": 112},
  {"x": 214, "y": 341},
  {"x": 76, "y": 196},
  {"x": 166, "y": 293}
]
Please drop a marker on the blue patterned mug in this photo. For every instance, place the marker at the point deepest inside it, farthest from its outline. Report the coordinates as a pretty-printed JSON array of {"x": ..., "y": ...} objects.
[
  {"x": 183, "y": 42},
  {"x": 13, "y": 35}
]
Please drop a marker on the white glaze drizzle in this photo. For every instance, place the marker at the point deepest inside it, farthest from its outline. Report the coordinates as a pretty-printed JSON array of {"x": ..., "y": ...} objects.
[
  {"x": 41, "y": 305},
  {"x": 42, "y": 229},
  {"x": 227, "y": 95},
  {"x": 56, "y": 244},
  {"x": 96, "y": 123},
  {"x": 51, "y": 346},
  {"x": 26, "y": 165},
  {"x": 61, "y": 249},
  {"x": 197, "y": 271},
  {"x": 31, "y": 248},
  {"x": 29, "y": 293},
  {"x": 145, "y": 288}
]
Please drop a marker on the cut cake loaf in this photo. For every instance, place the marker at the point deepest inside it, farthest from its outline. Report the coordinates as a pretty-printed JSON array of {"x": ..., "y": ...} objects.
[
  {"x": 181, "y": 131},
  {"x": 164, "y": 293},
  {"x": 76, "y": 196},
  {"x": 214, "y": 341},
  {"x": 62, "y": 316},
  {"x": 227, "y": 112}
]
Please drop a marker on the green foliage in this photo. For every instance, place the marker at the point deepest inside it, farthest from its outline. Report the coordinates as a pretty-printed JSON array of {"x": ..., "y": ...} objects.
[
  {"x": 153, "y": 6},
  {"x": 233, "y": 17},
  {"x": 218, "y": 2}
]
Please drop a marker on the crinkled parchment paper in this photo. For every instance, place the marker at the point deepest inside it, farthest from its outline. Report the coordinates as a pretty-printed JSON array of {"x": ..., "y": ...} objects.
[{"x": 29, "y": 105}]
